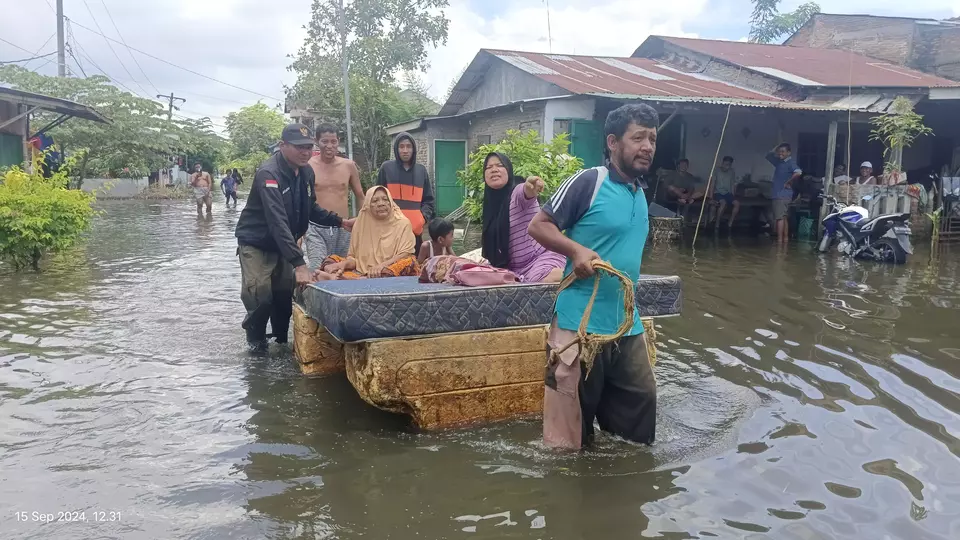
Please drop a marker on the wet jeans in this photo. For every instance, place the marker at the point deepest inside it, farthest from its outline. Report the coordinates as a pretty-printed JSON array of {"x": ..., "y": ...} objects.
[{"x": 267, "y": 293}]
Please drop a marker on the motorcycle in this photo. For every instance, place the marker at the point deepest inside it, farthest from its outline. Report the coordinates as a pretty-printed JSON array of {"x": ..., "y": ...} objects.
[{"x": 884, "y": 238}]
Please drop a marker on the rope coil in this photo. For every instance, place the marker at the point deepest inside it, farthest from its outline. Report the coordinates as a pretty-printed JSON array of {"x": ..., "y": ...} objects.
[{"x": 590, "y": 344}]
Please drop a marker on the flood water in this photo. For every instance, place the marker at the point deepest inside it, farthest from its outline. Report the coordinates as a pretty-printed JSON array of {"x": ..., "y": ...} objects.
[{"x": 800, "y": 397}]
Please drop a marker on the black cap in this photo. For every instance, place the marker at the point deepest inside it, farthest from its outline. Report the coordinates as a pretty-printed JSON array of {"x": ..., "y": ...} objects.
[{"x": 297, "y": 134}]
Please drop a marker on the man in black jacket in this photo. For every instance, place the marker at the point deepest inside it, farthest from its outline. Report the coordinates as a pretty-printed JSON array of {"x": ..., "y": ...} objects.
[{"x": 279, "y": 208}]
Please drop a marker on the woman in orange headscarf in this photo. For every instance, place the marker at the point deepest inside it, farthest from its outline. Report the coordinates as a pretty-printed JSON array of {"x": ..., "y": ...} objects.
[{"x": 381, "y": 244}]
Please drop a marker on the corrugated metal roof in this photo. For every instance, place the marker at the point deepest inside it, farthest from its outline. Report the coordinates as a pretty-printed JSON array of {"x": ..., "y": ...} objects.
[
  {"x": 53, "y": 104},
  {"x": 857, "y": 102},
  {"x": 738, "y": 102},
  {"x": 821, "y": 67},
  {"x": 589, "y": 74}
]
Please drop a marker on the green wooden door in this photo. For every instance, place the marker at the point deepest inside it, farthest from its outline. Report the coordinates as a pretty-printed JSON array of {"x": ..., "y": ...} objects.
[
  {"x": 449, "y": 157},
  {"x": 11, "y": 150},
  {"x": 586, "y": 142}
]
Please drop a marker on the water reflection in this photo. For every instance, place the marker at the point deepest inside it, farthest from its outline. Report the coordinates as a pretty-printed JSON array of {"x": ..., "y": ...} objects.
[{"x": 800, "y": 397}]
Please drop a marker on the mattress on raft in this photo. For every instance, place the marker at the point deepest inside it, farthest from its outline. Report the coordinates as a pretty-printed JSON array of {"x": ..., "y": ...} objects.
[{"x": 359, "y": 310}]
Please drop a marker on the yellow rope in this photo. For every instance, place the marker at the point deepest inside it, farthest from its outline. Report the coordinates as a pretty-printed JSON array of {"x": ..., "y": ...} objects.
[{"x": 590, "y": 344}]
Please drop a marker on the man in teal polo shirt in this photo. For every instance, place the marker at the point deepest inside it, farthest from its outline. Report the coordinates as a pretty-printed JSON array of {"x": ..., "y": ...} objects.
[{"x": 601, "y": 213}]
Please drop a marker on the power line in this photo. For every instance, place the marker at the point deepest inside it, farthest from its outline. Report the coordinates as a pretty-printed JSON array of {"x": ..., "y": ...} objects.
[
  {"x": 41, "y": 48},
  {"x": 188, "y": 70},
  {"x": 244, "y": 103},
  {"x": 76, "y": 60},
  {"x": 28, "y": 59},
  {"x": 26, "y": 50},
  {"x": 134, "y": 79},
  {"x": 17, "y": 46},
  {"x": 128, "y": 47},
  {"x": 84, "y": 54}
]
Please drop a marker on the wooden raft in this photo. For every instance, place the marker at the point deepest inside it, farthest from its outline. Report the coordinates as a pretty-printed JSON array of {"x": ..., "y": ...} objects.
[{"x": 440, "y": 381}]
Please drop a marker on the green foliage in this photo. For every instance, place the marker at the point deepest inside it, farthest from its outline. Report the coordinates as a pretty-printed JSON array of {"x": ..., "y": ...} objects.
[
  {"x": 530, "y": 157},
  {"x": 246, "y": 166},
  {"x": 254, "y": 128},
  {"x": 139, "y": 138},
  {"x": 767, "y": 24},
  {"x": 897, "y": 129},
  {"x": 381, "y": 38},
  {"x": 40, "y": 215}
]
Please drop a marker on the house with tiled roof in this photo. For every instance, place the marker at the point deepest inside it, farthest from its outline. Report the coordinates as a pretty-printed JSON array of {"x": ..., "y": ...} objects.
[{"x": 814, "y": 98}]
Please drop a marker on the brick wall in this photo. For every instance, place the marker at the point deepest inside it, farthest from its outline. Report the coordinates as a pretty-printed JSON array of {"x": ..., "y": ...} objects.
[
  {"x": 688, "y": 60},
  {"x": 936, "y": 50},
  {"x": 496, "y": 123},
  {"x": 880, "y": 37},
  {"x": 451, "y": 129}
]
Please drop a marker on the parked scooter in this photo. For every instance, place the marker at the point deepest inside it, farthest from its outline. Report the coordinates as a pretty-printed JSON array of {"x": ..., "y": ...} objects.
[{"x": 883, "y": 238}]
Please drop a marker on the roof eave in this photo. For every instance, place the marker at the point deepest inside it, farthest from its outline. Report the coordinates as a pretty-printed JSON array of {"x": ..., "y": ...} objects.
[{"x": 53, "y": 104}]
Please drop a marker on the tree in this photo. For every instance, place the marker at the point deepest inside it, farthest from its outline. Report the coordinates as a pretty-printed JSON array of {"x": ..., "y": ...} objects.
[
  {"x": 417, "y": 94},
  {"x": 139, "y": 137},
  {"x": 254, "y": 128},
  {"x": 379, "y": 38},
  {"x": 767, "y": 24},
  {"x": 897, "y": 129},
  {"x": 201, "y": 143}
]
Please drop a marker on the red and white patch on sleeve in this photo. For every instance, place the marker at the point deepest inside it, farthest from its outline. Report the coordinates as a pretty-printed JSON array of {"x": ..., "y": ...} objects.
[{"x": 271, "y": 183}]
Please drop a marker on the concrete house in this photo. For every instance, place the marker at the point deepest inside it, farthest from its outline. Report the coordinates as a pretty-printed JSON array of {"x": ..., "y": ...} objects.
[
  {"x": 818, "y": 99},
  {"x": 927, "y": 45}
]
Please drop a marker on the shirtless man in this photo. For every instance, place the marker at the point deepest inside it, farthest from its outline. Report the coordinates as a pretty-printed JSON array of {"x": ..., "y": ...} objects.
[
  {"x": 335, "y": 177},
  {"x": 202, "y": 182}
]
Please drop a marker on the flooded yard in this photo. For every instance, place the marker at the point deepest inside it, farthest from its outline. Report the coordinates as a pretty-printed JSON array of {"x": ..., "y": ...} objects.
[{"x": 800, "y": 397}]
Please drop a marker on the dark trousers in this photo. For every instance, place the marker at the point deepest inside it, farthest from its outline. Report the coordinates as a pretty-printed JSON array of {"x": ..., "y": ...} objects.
[
  {"x": 230, "y": 194},
  {"x": 267, "y": 293},
  {"x": 621, "y": 392}
]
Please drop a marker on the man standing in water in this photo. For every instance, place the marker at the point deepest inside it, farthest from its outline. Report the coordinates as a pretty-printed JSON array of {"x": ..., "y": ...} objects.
[
  {"x": 279, "y": 209},
  {"x": 202, "y": 183},
  {"x": 601, "y": 214},
  {"x": 409, "y": 184},
  {"x": 335, "y": 177},
  {"x": 228, "y": 185},
  {"x": 785, "y": 173}
]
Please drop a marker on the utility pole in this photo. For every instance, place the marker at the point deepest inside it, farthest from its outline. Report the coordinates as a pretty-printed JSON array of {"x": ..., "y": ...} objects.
[
  {"x": 549, "y": 33},
  {"x": 345, "y": 72},
  {"x": 61, "y": 49},
  {"x": 171, "y": 98}
]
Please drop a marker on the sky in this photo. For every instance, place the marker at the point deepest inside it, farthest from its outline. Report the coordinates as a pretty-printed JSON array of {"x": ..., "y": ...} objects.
[{"x": 248, "y": 43}]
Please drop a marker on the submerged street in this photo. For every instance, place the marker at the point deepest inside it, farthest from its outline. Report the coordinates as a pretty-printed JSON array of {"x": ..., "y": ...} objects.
[{"x": 800, "y": 396}]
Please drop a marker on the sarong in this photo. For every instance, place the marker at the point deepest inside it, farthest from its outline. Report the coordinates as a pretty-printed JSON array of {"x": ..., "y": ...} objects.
[{"x": 406, "y": 266}]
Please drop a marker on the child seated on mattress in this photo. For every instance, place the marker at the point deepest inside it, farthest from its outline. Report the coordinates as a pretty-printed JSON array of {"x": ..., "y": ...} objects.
[{"x": 441, "y": 240}]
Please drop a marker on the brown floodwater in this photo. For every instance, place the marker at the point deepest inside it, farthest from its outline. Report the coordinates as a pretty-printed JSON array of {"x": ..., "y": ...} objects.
[{"x": 801, "y": 397}]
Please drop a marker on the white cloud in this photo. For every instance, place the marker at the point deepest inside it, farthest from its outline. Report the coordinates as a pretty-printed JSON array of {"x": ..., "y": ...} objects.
[{"x": 247, "y": 42}]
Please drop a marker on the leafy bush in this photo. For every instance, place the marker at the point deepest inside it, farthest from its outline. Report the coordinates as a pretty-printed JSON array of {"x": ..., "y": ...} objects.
[
  {"x": 897, "y": 129},
  {"x": 39, "y": 215},
  {"x": 246, "y": 166},
  {"x": 550, "y": 161}
]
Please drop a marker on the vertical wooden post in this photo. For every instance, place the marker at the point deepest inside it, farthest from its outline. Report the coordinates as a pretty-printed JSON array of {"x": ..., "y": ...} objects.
[{"x": 828, "y": 177}]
